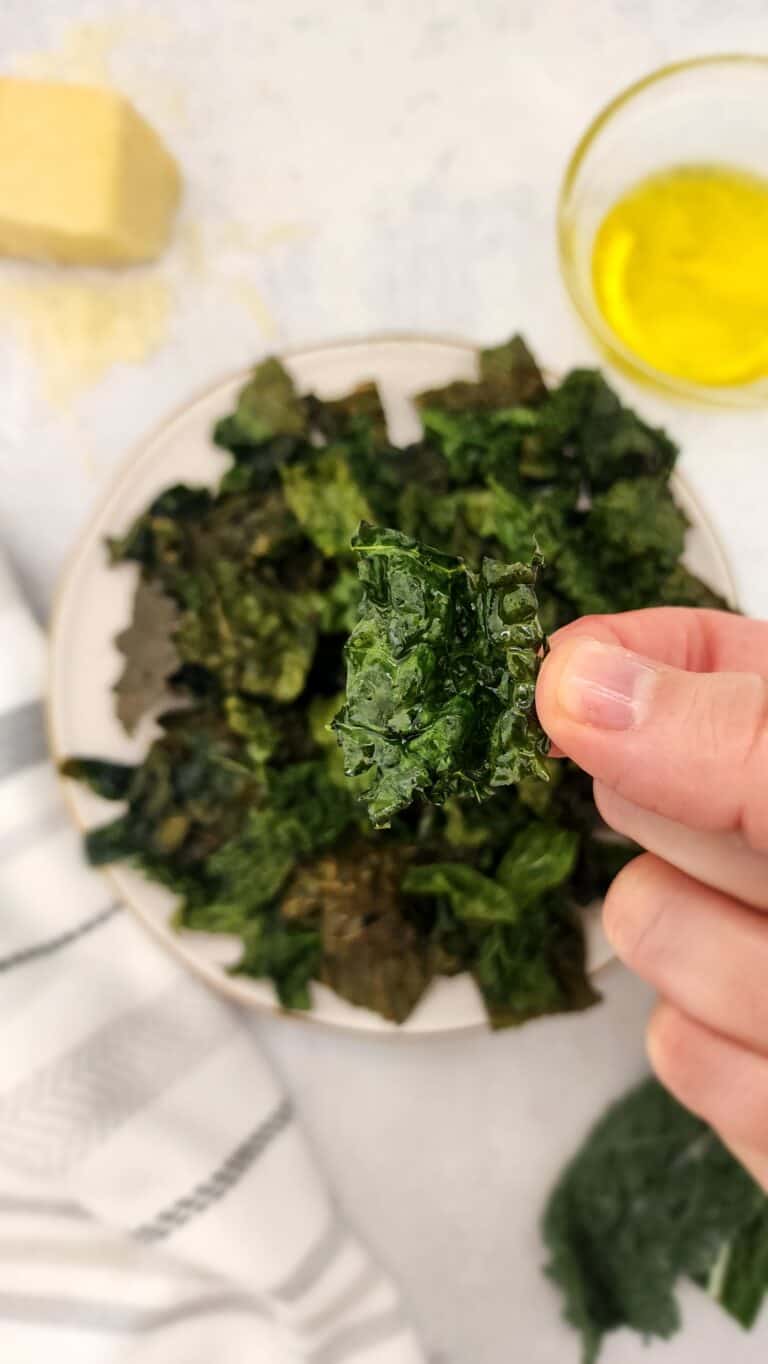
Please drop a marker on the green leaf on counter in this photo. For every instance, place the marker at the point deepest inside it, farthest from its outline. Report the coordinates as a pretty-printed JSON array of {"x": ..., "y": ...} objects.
[{"x": 653, "y": 1197}]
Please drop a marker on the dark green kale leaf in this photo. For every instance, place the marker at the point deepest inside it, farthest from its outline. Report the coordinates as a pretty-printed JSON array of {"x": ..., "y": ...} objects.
[
  {"x": 267, "y": 407},
  {"x": 627, "y": 546},
  {"x": 249, "y": 635},
  {"x": 476, "y": 445},
  {"x": 243, "y": 580},
  {"x": 653, "y": 1196},
  {"x": 474, "y": 899},
  {"x": 358, "y": 418},
  {"x": 521, "y": 941},
  {"x": 110, "y": 780},
  {"x": 186, "y": 799},
  {"x": 149, "y": 653},
  {"x": 536, "y": 968},
  {"x": 289, "y": 954},
  {"x": 301, "y": 811},
  {"x": 155, "y": 537},
  {"x": 584, "y": 423},
  {"x": 326, "y": 500},
  {"x": 441, "y": 672},
  {"x": 508, "y": 377},
  {"x": 540, "y": 858},
  {"x": 739, "y": 1280},
  {"x": 372, "y": 954}
]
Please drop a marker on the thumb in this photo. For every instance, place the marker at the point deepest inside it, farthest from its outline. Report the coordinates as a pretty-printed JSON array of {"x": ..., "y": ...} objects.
[{"x": 692, "y": 746}]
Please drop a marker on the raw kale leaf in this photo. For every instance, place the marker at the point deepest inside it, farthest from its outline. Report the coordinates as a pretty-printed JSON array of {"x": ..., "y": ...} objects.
[
  {"x": 653, "y": 1196},
  {"x": 441, "y": 671},
  {"x": 150, "y": 655},
  {"x": 739, "y": 1279}
]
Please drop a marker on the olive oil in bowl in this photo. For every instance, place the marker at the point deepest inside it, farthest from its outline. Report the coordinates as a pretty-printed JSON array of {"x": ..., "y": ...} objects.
[{"x": 680, "y": 273}]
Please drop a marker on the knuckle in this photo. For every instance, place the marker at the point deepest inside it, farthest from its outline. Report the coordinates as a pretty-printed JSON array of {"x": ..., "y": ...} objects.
[{"x": 634, "y": 907}]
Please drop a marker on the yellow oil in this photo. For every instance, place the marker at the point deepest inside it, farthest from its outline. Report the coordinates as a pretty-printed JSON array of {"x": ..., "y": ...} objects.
[{"x": 680, "y": 273}]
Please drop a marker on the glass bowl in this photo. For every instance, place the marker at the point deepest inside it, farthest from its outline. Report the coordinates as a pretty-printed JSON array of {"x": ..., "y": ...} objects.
[{"x": 710, "y": 110}]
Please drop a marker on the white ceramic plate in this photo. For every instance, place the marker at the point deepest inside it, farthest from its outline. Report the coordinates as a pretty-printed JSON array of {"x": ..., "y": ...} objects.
[{"x": 94, "y": 604}]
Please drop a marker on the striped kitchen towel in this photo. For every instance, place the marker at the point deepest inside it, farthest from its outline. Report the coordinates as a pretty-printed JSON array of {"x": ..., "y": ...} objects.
[{"x": 157, "y": 1198}]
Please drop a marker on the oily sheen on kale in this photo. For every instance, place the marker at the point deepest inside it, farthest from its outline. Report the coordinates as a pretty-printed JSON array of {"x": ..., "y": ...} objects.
[
  {"x": 247, "y": 595},
  {"x": 441, "y": 675},
  {"x": 651, "y": 1199}
]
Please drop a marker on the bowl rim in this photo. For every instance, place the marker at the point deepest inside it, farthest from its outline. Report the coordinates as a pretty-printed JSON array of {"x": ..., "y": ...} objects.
[{"x": 722, "y": 396}]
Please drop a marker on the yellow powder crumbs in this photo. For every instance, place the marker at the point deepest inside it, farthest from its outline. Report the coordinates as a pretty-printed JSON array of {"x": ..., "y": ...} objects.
[{"x": 75, "y": 329}]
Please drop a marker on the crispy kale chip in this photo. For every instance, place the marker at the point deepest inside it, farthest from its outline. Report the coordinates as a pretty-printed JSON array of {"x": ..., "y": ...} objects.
[
  {"x": 268, "y": 410},
  {"x": 508, "y": 377},
  {"x": 326, "y": 500},
  {"x": 373, "y": 954},
  {"x": 441, "y": 672},
  {"x": 651, "y": 1198},
  {"x": 517, "y": 930}
]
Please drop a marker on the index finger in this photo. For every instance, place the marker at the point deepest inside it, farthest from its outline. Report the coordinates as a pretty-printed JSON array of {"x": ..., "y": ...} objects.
[
  {"x": 696, "y": 641},
  {"x": 670, "y": 709}
]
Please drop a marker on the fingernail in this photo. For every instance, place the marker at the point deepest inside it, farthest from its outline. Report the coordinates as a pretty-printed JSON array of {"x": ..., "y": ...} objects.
[{"x": 605, "y": 686}]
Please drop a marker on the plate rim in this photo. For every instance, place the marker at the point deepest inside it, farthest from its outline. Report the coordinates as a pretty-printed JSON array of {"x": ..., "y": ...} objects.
[{"x": 214, "y": 976}]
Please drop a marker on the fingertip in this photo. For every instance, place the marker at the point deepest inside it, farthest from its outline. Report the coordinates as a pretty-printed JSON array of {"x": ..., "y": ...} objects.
[{"x": 547, "y": 690}]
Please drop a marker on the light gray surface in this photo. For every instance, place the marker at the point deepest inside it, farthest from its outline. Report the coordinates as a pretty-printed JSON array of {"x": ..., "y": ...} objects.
[{"x": 416, "y": 149}]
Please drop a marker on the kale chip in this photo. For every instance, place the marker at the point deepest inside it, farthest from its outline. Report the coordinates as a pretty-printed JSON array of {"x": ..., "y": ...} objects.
[{"x": 441, "y": 673}]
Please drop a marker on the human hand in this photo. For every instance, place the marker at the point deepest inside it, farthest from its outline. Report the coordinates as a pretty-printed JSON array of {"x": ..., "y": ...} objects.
[{"x": 668, "y": 711}]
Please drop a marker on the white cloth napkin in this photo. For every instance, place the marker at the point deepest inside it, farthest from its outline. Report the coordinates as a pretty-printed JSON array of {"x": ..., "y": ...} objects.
[{"x": 157, "y": 1198}]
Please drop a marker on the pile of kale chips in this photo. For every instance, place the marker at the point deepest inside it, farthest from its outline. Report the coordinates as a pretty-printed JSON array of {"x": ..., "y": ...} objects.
[{"x": 247, "y": 597}]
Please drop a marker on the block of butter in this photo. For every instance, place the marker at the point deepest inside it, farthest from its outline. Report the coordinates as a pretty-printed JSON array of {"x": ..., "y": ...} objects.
[{"x": 83, "y": 177}]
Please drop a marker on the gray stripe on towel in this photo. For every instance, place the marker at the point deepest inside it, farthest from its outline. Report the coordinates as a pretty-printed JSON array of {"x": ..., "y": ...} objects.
[
  {"x": 56, "y": 1115},
  {"x": 20, "y": 1205},
  {"x": 35, "y": 951},
  {"x": 22, "y": 738},
  {"x": 224, "y": 1178}
]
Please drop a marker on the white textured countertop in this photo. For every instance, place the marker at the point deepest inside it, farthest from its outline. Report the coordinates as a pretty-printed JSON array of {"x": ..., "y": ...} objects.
[{"x": 356, "y": 167}]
